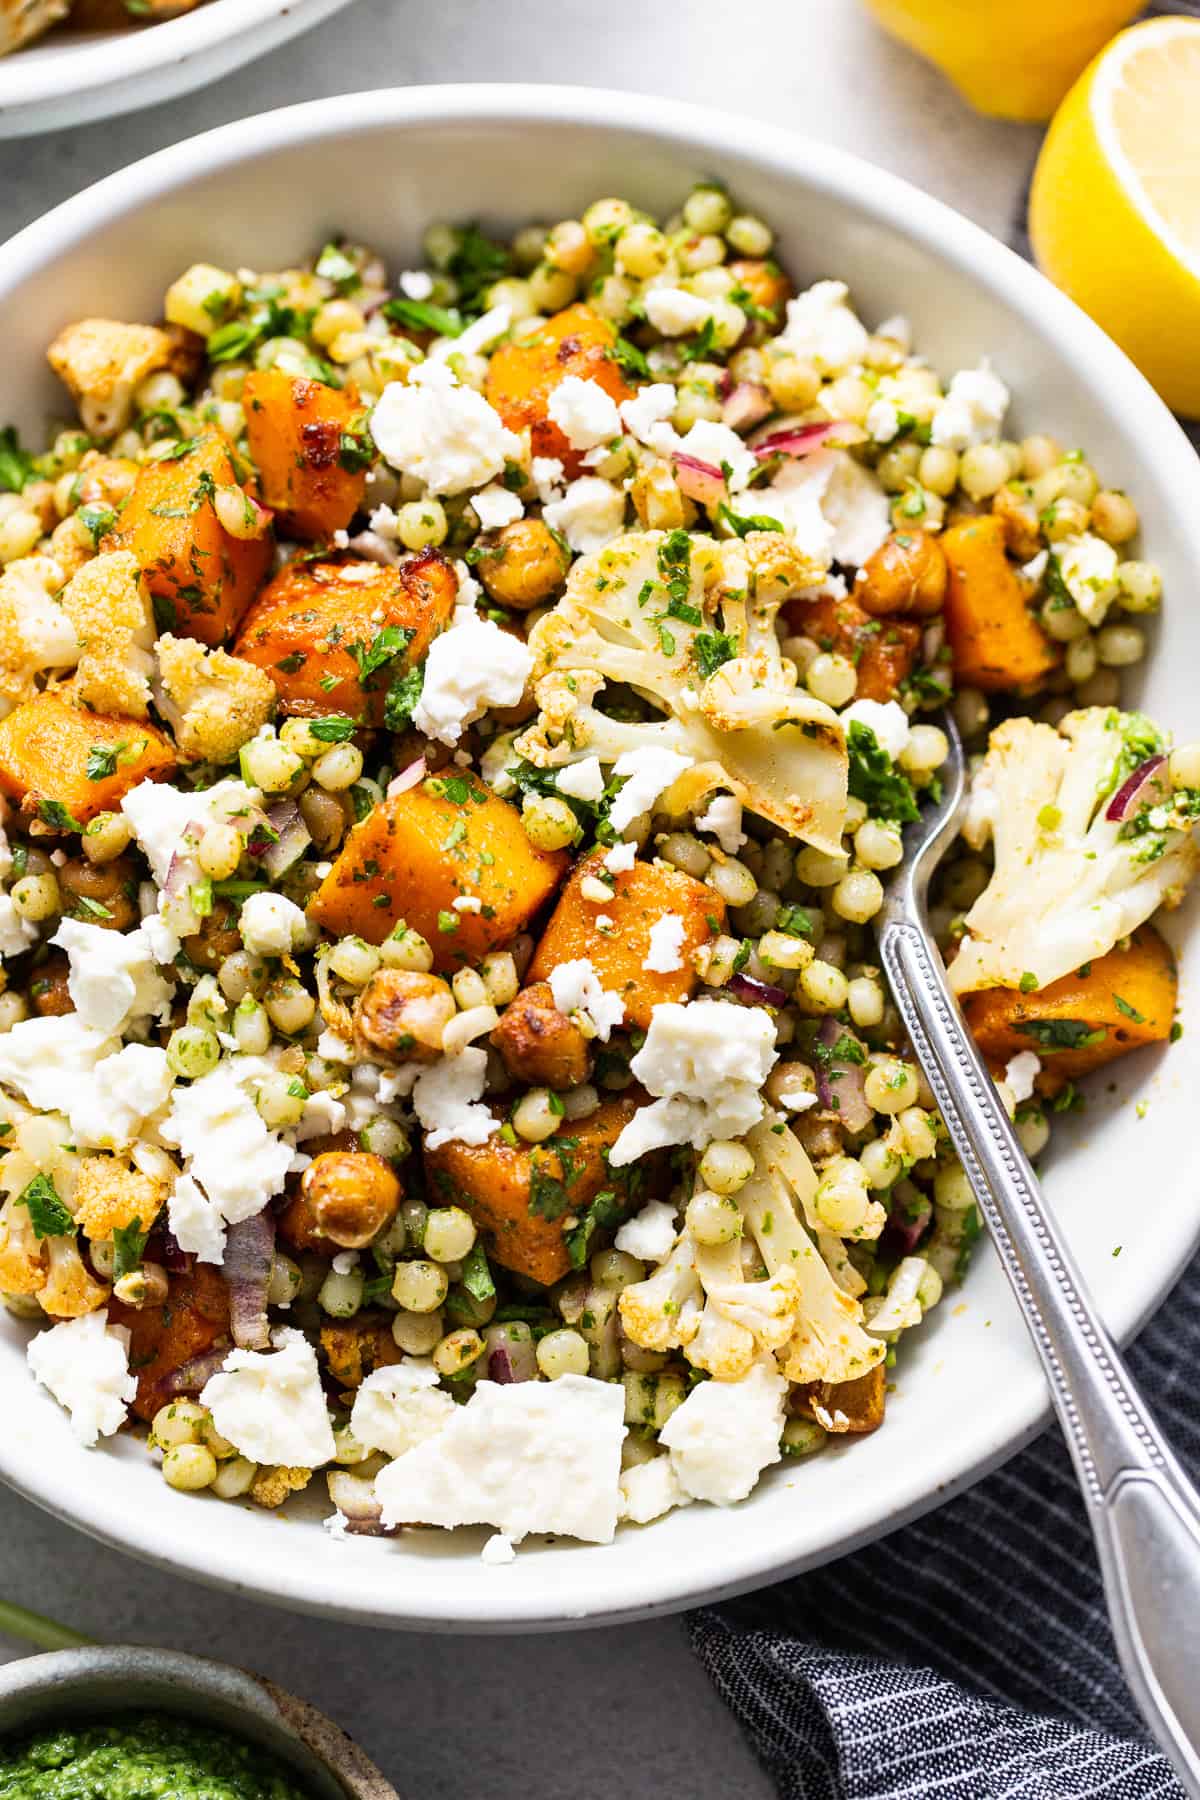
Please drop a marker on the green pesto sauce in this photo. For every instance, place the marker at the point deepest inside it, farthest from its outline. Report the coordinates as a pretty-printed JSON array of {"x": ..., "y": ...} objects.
[{"x": 140, "y": 1756}]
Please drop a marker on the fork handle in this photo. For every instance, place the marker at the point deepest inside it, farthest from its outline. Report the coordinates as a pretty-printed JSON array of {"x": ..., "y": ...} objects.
[{"x": 1144, "y": 1511}]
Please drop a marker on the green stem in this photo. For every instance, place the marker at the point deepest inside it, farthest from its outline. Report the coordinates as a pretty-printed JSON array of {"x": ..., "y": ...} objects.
[{"x": 47, "y": 1634}]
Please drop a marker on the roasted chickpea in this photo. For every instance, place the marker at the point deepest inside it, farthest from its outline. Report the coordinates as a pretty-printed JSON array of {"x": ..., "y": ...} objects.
[
  {"x": 104, "y": 480},
  {"x": 48, "y": 994},
  {"x": 1013, "y": 506},
  {"x": 907, "y": 574},
  {"x": 217, "y": 938},
  {"x": 525, "y": 566},
  {"x": 112, "y": 886},
  {"x": 539, "y": 1044},
  {"x": 350, "y": 1196},
  {"x": 400, "y": 1015}
]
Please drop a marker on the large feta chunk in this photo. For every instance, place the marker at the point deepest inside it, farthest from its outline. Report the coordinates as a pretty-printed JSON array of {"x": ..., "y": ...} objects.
[
  {"x": 110, "y": 1108},
  {"x": 196, "y": 1222},
  {"x": 647, "y": 772},
  {"x": 650, "y": 1234},
  {"x": 650, "y": 1489},
  {"x": 582, "y": 780},
  {"x": 531, "y": 1456},
  {"x": 442, "y": 433},
  {"x": 589, "y": 515},
  {"x": 576, "y": 989},
  {"x": 823, "y": 328},
  {"x": 723, "y": 818},
  {"x": 496, "y": 506},
  {"x": 726, "y": 1433},
  {"x": 833, "y": 507},
  {"x": 271, "y": 924},
  {"x": 886, "y": 718},
  {"x": 706, "y": 1063},
  {"x": 472, "y": 666},
  {"x": 972, "y": 411},
  {"x": 1020, "y": 1072},
  {"x": 584, "y": 412},
  {"x": 720, "y": 447},
  {"x": 229, "y": 1150},
  {"x": 113, "y": 976},
  {"x": 168, "y": 823},
  {"x": 397, "y": 1408},
  {"x": 85, "y": 1364},
  {"x": 447, "y": 1099},
  {"x": 673, "y": 311},
  {"x": 271, "y": 1405},
  {"x": 648, "y": 411},
  {"x": 16, "y": 933},
  {"x": 49, "y": 1061}
]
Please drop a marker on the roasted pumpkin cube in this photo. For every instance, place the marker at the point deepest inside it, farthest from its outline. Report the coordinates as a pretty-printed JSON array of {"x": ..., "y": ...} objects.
[
  {"x": 306, "y": 441},
  {"x": 996, "y": 641},
  {"x": 447, "y": 839},
  {"x": 846, "y": 1406},
  {"x": 529, "y": 1200},
  {"x": 522, "y": 377},
  {"x": 640, "y": 897},
  {"x": 201, "y": 577},
  {"x": 164, "y": 1339},
  {"x": 883, "y": 651},
  {"x": 66, "y": 765},
  {"x": 1111, "y": 1005},
  {"x": 333, "y": 636}
]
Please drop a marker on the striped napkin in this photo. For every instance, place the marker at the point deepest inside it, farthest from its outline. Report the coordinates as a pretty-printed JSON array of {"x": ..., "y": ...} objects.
[{"x": 969, "y": 1656}]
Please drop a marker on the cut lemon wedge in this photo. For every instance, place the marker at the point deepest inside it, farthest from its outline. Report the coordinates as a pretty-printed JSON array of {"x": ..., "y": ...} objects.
[{"x": 1114, "y": 212}]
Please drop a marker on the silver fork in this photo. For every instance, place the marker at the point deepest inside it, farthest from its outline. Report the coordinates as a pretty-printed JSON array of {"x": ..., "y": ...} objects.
[{"x": 1144, "y": 1511}]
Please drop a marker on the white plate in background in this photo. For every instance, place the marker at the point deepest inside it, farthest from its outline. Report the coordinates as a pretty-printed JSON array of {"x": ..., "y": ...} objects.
[{"x": 380, "y": 167}]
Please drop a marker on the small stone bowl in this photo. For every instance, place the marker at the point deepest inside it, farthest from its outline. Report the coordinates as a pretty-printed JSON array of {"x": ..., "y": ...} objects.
[{"x": 104, "y": 1680}]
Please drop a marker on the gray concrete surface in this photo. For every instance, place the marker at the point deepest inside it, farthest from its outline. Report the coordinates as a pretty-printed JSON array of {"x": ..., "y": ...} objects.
[{"x": 593, "y": 1713}]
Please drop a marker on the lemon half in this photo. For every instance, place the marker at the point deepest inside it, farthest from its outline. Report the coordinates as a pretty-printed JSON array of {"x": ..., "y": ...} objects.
[{"x": 1114, "y": 212}]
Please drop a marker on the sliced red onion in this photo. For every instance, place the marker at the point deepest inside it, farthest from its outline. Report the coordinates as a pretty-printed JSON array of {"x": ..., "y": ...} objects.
[
  {"x": 744, "y": 404},
  {"x": 1144, "y": 786},
  {"x": 163, "y": 1247},
  {"x": 509, "y": 1358},
  {"x": 191, "y": 1376},
  {"x": 292, "y": 838},
  {"x": 249, "y": 1249},
  {"x": 802, "y": 440},
  {"x": 355, "y": 1500},
  {"x": 761, "y": 992},
  {"x": 908, "y": 1219},
  {"x": 407, "y": 778},
  {"x": 840, "y": 1083},
  {"x": 701, "y": 481}
]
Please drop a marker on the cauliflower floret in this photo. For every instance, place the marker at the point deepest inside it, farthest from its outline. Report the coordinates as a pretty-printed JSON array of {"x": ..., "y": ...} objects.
[
  {"x": 110, "y": 1196},
  {"x": 663, "y": 1312},
  {"x": 213, "y": 702},
  {"x": 690, "y": 625},
  {"x": 272, "y": 1486},
  {"x": 36, "y": 635},
  {"x": 109, "y": 606},
  {"x": 102, "y": 361},
  {"x": 22, "y": 1252},
  {"x": 1069, "y": 882},
  {"x": 69, "y": 1291}
]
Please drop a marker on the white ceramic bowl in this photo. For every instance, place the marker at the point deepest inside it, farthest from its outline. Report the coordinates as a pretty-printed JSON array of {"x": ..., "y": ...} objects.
[
  {"x": 381, "y": 166},
  {"x": 71, "y": 77}
]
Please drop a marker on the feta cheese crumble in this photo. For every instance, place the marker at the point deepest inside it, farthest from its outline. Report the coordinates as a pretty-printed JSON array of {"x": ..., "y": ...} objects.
[
  {"x": 590, "y": 513},
  {"x": 470, "y": 668},
  {"x": 665, "y": 954},
  {"x": 1087, "y": 567},
  {"x": 16, "y": 933},
  {"x": 886, "y": 718},
  {"x": 576, "y": 989},
  {"x": 398, "y": 1407},
  {"x": 530, "y": 1456},
  {"x": 237, "y": 1160},
  {"x": 124, "y": 1092},
  {"x": 620, "y": 859},
  {"x": 447, "y": 1100},
  {"x": 271, "y": 924},
  {"x": 972, "y": 411},
  {"x": 674, "y": 312},
  {"x": 833, "y": 507},
  {"x": 648, "y": 772},
  {"x": 582, "y": 780},
  {"x": 442, "y": 433},
  {"x": 84, "y": 1363},
  {"x": 723, "y": 818},
  {"x": 648, "y": 411},
  {"x": 721, "y": 447},
  {"x": 584, "y": 412},
  {"x": 1020, "y": 1072},
  {"x": 706, "y": 1064},
  {"x": 650, "y": 1234},
  {"x": 824, "y": 329},
  {"x": 113, "y": 978},
  {"x": 496, "y": 506},
  {"x": 650, "y": 1489},
  {"x": 271, "y": 1405},
  {"x": 726, "y": 1433}
]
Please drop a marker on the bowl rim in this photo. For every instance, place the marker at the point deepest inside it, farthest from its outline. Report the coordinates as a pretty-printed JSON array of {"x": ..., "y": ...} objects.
[
  {"x": 747, "y": 1561},
  {"x": 96, "y": 75},
  {"x": 236, "y": 1700}
]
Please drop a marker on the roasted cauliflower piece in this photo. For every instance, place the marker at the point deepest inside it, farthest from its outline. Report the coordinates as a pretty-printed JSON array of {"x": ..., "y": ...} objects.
[
  {"x": 36, "y": 633},
  {"x": 102, "y": 361},
  {"x": 110, "y": 1196},
  {"x": 213, "y": 702},
  {"x": 109, "y": 607}
]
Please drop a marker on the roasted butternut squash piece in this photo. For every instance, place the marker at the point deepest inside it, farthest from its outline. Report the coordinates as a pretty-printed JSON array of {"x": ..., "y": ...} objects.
[
  {"x": 996, "y": 641},
  {"x": 201, "y": 578},
  {"x": 333, "y": 636},
  {"x": 305, "y": 439},
  {"x": 847, "y": 1406},
  {"x": 882, "y": 650},
  {"x": 413, "y": 856},
  {"x": 522, "y": 377},
  {"x": 1082, "y": 1021},
  {"x": 194, "y": 1316},
  {"x": 47, "y": 748},
  {"x": 521, "y": 1196},
  {"x": 353, "y": 1348},
  {"x": 640, "y": 898}
]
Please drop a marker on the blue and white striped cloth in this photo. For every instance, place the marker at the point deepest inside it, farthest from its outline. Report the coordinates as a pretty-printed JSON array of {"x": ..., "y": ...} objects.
[{"x": 969, "y": 1656}]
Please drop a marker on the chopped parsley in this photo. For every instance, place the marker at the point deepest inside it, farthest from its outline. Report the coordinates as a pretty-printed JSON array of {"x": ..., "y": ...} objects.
[
  {"x": 551, "y": 1174},
  {"x": 47, "y": 1214},
  {"x": 101, "y": 761},
  {"x": 885, "y": 790},
  {"x": 385, "y": 646},
  {"x": 334, "y": 265},
  {"x": 476, "y": 1276},
  {"x": 129, "y": 1243},
  {"x": 336, "y": 729},
  {"x": 53, "y": 812},
  {"x": 1130, "y": 1012},
  {"x": 402, "y": 698},
  {"x": 476, "y": 264},
  {"x": 423, "y": 315},
  {"x": 713, "y": 648},
  {"x": 606, "y": 1210},
  {"x": 741, "y": 524},
  {"x": 16, "y": 465},
  {"x": 1061, "y": 1034}
]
